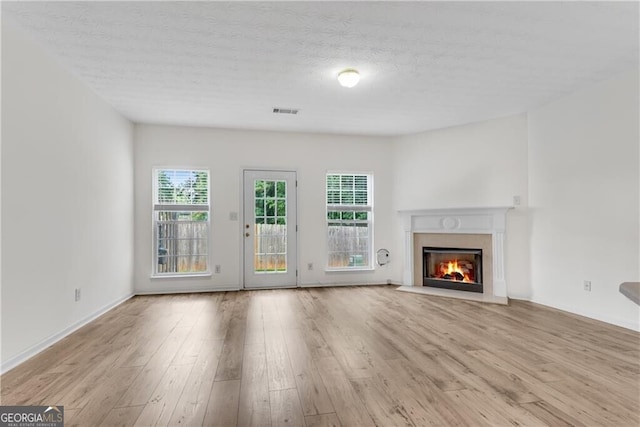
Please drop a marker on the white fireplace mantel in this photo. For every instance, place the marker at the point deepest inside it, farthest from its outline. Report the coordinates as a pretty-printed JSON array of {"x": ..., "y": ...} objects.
[{"x": 490, "y": 220}]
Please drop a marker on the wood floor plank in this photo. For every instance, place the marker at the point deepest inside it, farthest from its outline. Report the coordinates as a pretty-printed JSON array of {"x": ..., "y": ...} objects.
[
  {"x": 312, "y": 310},
  {"x": 280, "y": 373},
  {"x": 230, "y": 364},
  {"x": 222, "y": 409},
  {"x": 141, "y": 350},
  {"x": 395, "y": 389},
  {"x": 122, "y": 417},
  {"x": 550, "y": 415},
  {"x": 254, "y": 407},
  {"x": 24, "y": 394},
  {"x": 441, "y": 408},
  {"x": 360, "y": 323},
  {"x": 190, "y": 349},
  {"x": 596, "y": 366},
  {"x": 349, "y": 408},
  {"x": 69, "y": 416},
  {"x": 324, "y": 420},
  {"x": 509, "y": 385},
  {"x": 255, "y": 319},
  {"x": 102, "y": 349},
  {"x": 313, "y": 394},
  {"x": 285, "y": 408},
  {"x": 576, "y": 407},
  {"x": 433, "y": 367},
  {"x": 165, "y": 397},
  {"x": 354, "y": 364},
  {"x": 380, "y": 405},
  {"x": 79, "y": 394},
  {"x": 222, "y": 317},
  {"x": 192, "y": 406},
  {"x": 612, "y": 412},
  {"x": 490, "y": 410},
  {"x": 103, "y": 397},
  {"x": 145, "y": 383}
]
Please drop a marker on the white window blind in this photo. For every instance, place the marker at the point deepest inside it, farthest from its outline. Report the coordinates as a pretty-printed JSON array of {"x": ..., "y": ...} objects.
[
  {"x": 181, "y": 221},
  {"x": 349, "y": 220}
]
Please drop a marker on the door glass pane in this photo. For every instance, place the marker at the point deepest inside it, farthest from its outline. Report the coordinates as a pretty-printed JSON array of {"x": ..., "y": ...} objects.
[
  {"x": 270, "y": 228},
  {"x": 259, "y": 187},
  {"x": 269, "y": 188}
]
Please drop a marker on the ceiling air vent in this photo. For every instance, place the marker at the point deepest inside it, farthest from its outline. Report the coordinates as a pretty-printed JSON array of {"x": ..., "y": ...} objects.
[{"x": 285, "y": 110}]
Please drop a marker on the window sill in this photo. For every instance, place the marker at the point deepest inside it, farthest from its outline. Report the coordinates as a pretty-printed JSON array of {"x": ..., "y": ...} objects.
[{"x": 180, "y": 276}]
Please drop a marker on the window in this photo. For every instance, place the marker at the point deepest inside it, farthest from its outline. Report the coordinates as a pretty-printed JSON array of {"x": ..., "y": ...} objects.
[
  {"x": 181, "y": 222},
  {"x": 349, "y": 221}
]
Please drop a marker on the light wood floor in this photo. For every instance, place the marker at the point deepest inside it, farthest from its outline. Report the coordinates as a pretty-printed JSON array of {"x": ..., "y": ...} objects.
[{"x": 354, "y": 356}]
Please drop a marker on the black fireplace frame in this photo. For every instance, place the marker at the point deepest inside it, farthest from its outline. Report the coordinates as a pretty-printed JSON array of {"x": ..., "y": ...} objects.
[{"x": 452, "y": 284}]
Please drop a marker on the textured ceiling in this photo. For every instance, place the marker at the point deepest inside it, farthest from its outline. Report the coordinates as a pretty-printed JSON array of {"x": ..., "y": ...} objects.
[{"x": 423, "y": 65}]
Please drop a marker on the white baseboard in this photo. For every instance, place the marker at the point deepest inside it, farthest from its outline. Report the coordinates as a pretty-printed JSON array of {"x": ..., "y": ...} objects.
[
  {"x": 520, "y": 297},
  {"x": 188, "y": 290},
  {"x": 48, "y": 342},
  {"x": 327, "y": 285}
]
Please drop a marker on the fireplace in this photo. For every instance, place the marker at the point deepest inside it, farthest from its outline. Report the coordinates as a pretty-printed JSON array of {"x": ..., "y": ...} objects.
[
  {"x": 479, "y": 227},
  {"x": 452, "y": 268}
]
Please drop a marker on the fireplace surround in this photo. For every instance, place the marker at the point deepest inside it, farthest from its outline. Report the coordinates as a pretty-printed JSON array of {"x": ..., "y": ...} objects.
[{"x": 482, "y": 228}]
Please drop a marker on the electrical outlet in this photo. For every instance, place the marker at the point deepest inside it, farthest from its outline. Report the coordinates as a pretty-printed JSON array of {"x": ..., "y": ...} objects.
[
  {"x": 217, "y": 269},
  {"x": 516, "y": 200},
  {"x": 310, "y": 266},
  {"x": 77, "y": 295},
  {"x": 587, "y": 285}
]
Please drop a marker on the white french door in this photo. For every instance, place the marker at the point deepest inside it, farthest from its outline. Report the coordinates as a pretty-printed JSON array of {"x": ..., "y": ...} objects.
[{"x": 270, "y": 229}]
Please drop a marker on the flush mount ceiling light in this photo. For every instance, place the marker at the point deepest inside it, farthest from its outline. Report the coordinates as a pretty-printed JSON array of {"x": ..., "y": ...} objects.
[{"x": 349, "y": 77}]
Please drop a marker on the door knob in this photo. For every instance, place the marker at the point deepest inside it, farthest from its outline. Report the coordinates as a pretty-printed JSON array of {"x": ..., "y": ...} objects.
[
  {"x": 247, "y": 226},
  {"x": 246, "y": 234}
]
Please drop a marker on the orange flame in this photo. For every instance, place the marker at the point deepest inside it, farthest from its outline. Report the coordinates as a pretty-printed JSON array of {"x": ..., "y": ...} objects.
[{"x": 452, "y": 267}]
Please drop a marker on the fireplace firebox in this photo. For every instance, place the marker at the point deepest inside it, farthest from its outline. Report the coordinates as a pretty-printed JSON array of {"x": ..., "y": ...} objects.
[{"x": 452, "y": 268}]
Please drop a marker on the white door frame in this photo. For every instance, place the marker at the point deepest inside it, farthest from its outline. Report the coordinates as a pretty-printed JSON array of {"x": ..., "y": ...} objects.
[{"x": 270, "y": 282}]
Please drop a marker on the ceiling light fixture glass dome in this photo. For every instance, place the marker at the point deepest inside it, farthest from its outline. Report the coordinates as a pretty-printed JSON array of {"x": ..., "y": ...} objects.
[{"x": 349, "y": 77}]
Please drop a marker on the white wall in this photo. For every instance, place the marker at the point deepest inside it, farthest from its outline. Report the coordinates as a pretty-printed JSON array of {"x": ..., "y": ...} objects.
[
  {"x": 584, "y": 200},
  {"x": 476, "y": 165},
  {"x": 225, "y": 153},
  {"x": 67, "y": 201}
]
